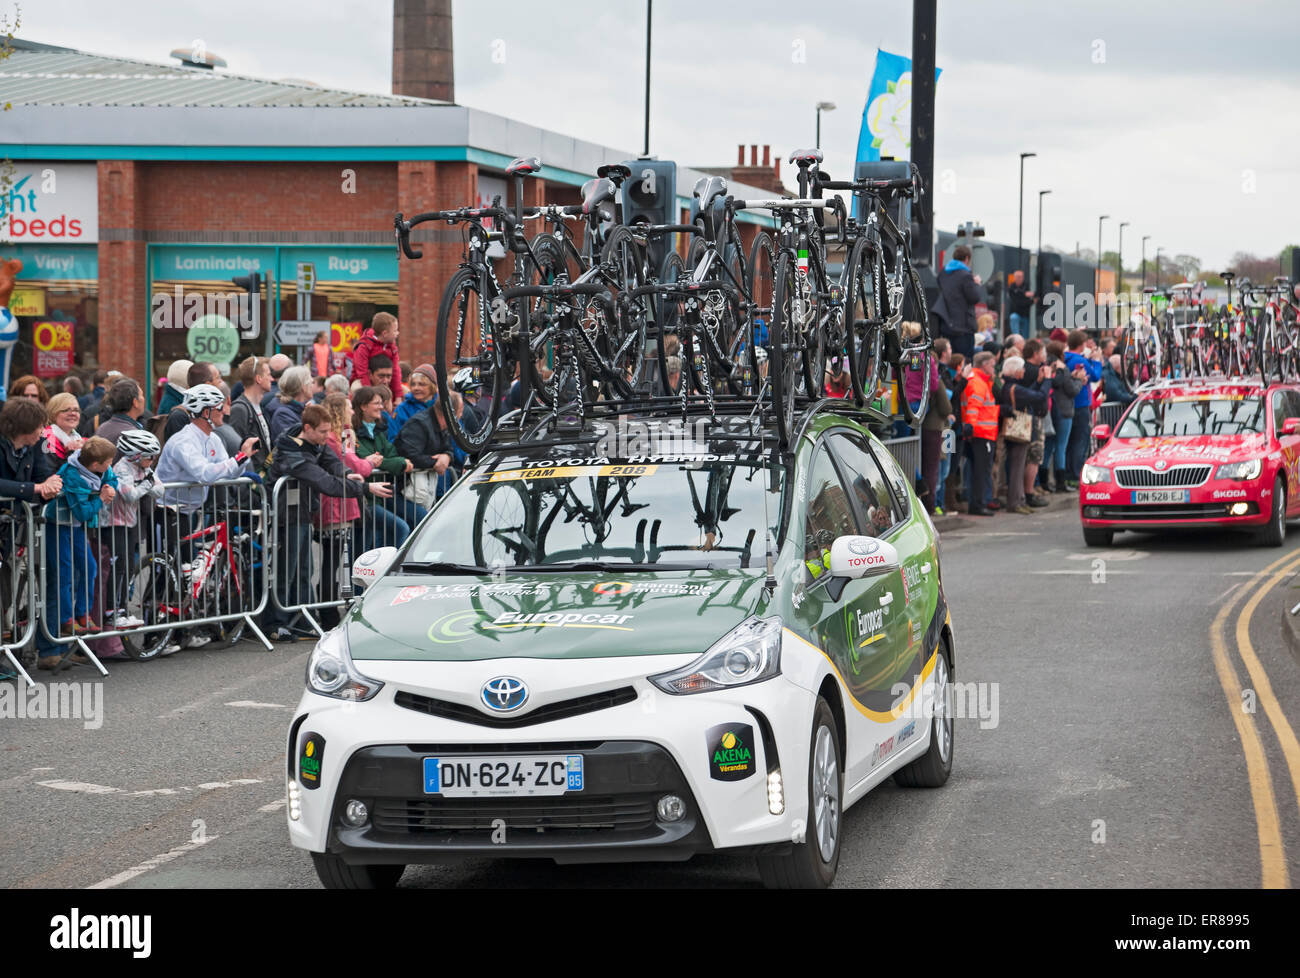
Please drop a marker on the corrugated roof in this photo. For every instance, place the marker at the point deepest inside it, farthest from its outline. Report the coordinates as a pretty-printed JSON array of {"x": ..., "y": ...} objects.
[{"x": 36, "y": 74}]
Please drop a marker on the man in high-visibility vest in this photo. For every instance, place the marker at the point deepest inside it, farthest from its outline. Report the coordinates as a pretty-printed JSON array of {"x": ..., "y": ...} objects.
[{"x": 979, "y": 415}]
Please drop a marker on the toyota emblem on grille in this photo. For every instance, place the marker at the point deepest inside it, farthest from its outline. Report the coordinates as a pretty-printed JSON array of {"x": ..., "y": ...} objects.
[{"x": 504, "y": 693}]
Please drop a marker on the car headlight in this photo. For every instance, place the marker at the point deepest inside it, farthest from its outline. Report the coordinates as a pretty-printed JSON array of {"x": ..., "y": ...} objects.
[
  {"x": 1240, "y": 470},
  {"x": 1093, "y": 474},
  {"x": 330, "y": 671},
  {"x": 749, "y": 653}
]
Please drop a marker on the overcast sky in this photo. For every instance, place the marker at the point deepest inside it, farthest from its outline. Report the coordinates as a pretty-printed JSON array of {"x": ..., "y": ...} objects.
[{"x": 1178, "y": 117}]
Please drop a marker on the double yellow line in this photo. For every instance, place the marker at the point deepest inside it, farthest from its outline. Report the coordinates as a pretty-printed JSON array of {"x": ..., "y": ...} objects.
[{"x": 1272, "y": 854}]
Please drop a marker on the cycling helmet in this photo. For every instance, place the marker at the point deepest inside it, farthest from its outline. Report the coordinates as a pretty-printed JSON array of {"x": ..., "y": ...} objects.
[
  {"x": 200, "y": 397},
  {"x": 465, "y": 382},
  {"x": 760, "y": 353},
  {"x": 135, "y": 444}
]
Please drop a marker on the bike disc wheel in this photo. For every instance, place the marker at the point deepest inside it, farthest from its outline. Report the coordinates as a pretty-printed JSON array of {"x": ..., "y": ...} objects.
[
  {"x": 862, "y": 321},
  {"x": 783, "y": 356},
  {"x": 463, "y": 342}
]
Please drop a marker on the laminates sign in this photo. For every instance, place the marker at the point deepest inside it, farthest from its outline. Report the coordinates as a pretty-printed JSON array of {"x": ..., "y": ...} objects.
[{"x": 51, "y": 203}]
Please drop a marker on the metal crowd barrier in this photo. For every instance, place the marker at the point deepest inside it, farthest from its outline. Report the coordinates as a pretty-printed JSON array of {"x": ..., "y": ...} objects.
[
  {"x": 189, "y": 571},
  {"x": 314, "y": 539},
  {"x": 906, "y": 452},
  {"x": 1108, "y": 412},
  {"x": 18, "y": 591}
]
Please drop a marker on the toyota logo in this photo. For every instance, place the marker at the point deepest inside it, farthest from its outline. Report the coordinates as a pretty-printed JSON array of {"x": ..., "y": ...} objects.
[
  {"x": 864, "y": 549},
  {"x": 504, "y": 693}
]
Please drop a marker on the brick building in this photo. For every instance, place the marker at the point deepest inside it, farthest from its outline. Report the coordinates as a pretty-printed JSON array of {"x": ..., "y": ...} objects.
[{"x": 141, "y": 189}]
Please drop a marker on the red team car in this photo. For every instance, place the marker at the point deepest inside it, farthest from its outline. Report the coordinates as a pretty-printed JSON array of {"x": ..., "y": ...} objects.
[{"x": 1197, "y": 452}]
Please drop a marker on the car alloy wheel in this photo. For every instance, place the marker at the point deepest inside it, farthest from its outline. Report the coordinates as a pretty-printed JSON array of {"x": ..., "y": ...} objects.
[
  {"x": 942, "y": 715},
  {"x": 826, "y": 794}
]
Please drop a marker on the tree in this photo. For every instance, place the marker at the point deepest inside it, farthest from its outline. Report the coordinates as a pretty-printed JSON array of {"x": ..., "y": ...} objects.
[{"x": 1188, "y": 266}]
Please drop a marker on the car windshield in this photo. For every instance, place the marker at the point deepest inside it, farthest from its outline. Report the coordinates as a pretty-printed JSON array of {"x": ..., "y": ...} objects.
[
  {"x": 1187, "y": 417},
  {"x": 683, "y": 513}
]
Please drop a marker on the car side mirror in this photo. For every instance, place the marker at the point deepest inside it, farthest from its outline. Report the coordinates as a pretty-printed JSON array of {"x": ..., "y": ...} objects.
[
  {"x": 853, "y": 557},
  {"x": 1102, "y": 432},
  {"x": 372, "y": 565},
  {"x": 1291, "y": 426}
]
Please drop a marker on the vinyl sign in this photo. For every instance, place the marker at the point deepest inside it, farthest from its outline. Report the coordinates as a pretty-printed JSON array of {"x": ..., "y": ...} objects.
[{"x": 51, "y": 203}]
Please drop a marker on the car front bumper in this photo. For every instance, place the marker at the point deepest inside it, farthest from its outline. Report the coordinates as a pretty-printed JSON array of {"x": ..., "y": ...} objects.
[
  {"x": 651, "y": 745},
  {"x": 1218, "y": 504}
]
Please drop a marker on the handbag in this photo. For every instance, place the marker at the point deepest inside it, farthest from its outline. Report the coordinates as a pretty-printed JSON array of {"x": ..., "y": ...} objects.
[
  {"x": 1019, "y": 427},
  {"x": 421, "y": 487}
]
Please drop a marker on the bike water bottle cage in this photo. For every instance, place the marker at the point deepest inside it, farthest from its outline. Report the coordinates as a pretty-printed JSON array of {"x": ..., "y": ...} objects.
[
  {"x": 806, "y": 157},
  {"x": 524, "y": 166},
  {"x": 616, "y": 172},
  {"x": 596, "y": 192}
]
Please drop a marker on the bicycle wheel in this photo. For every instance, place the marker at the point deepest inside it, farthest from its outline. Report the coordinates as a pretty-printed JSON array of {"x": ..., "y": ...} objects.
[
  {"x": 230, "y": 594},
  {"x": 783, "y": 354},
  {"x": 621, "y": 340},
  {"x": 862, "y": 321},
  {"x": 917, "y": 353},
  {"x": 502, "y": 535},
  {"x": 154, "y": 596},
  {"x": 463, "y": 342},
  {"x": 667, "y": 311},
  {"x": 760, "y": 276}
]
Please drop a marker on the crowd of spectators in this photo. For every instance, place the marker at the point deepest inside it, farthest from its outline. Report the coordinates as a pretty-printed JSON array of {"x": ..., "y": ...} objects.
[{"x": 361, "y": 431}]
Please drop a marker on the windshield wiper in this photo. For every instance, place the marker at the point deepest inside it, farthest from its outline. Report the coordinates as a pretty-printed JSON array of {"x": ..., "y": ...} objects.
[
  {"x": 440, "y": 567},
  {"x": 604, "y": 565}
]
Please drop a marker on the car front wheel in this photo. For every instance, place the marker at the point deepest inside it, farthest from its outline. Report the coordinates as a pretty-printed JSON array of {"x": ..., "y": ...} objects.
[
  {"x": 1274, "y": 532},
  {"x": 813, "y": 859},
  {"x": 335, "y": 874}
]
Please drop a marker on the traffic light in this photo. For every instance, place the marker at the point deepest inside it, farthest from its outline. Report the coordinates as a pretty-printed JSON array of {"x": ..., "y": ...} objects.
[
  {"x": 250, "y": 324},
  {"x": 1049, "y": 273},
  {"x": 650, "y": 197}
]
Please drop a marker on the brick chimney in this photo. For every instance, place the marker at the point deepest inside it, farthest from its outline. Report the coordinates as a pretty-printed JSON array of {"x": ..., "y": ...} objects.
[
  {"x": 422, "y": 52},
  {"x": 766, "y": 175}
]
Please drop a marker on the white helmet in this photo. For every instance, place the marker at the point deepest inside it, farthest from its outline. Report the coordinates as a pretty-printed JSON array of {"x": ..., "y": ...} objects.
[
  {"x": 135, "y": 444},
  {"x": 200, "y": 397}
]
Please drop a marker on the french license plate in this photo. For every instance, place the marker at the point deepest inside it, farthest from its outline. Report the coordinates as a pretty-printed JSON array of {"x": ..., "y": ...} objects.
[
  {"x": 503, "y": 776},
  {"x": 1144, "y": 496}
]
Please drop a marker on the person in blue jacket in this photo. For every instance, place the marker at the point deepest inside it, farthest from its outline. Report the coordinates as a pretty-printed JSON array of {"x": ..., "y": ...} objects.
[
  {"x": 88, "y": 484},
  {"x": 422, "y": 396},
  {"x": 1081, "y": 352}
]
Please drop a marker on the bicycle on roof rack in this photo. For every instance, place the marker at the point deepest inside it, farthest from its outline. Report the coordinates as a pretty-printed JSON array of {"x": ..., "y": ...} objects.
[{"x": 880, "y": 285}]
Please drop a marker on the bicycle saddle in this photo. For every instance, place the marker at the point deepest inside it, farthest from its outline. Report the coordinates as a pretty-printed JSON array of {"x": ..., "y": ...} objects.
[
  {"x": 804, "y": 157},
  {"x": 527, "y": 165},
  {"x": 595, "y": 192},
  {"x": 707, "y": 188},
  {"x": 614, "y": 171}
]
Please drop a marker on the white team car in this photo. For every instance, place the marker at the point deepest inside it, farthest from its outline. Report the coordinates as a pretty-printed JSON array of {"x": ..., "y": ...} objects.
[{"x": 590, "y": 659}]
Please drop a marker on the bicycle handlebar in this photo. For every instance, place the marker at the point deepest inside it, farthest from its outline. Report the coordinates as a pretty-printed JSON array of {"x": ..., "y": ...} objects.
[{"x": 403, "y": 227}]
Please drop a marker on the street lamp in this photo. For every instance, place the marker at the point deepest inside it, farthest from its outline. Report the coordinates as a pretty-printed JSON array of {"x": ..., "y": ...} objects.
[
  {"x": 1158, "y": 250},
  {"x": 1119, "y": 263},
  {"x": 822, "y": 107},
  {"x": 1041, "y": 195},
  {"x": 1096, "y": 281},
  {"x": 1145, "y": 239},
  {"x": 649, "y": 16},
  {"x": 1020, "y": 234}
]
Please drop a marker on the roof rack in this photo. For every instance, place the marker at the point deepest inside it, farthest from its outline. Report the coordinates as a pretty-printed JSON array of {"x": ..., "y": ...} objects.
[
  {"x": 727, "y": 420},
  {"x": 1166, "y": 383}
]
